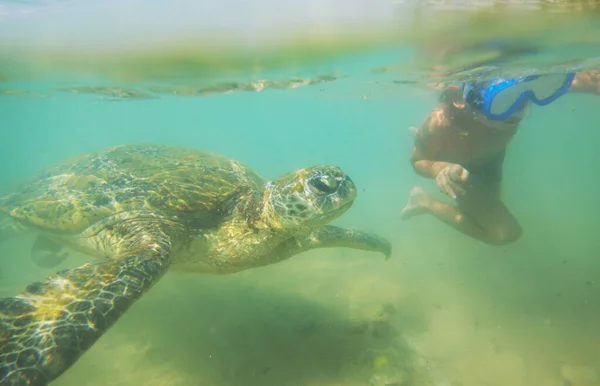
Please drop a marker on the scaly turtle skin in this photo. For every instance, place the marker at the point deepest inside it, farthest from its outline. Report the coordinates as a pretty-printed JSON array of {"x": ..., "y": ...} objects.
[{"x": 140, "y": 209}]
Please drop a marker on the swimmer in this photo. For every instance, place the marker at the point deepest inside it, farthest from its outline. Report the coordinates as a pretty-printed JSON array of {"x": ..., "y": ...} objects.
[{"x": 462, "y": 145}]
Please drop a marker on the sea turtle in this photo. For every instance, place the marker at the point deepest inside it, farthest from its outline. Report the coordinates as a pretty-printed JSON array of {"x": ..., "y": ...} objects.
[{"x": 140, "y": 209}]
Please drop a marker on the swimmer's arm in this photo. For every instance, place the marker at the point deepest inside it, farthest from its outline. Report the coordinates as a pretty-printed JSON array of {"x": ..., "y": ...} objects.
[
  {"x": 428, "y": 145},
  {"x": 429, "y": 169},
  {"x": 587, "y": 82}
]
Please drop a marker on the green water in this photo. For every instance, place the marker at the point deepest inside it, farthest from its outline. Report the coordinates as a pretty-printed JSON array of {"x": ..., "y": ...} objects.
[{"x": 444, "y": 311}]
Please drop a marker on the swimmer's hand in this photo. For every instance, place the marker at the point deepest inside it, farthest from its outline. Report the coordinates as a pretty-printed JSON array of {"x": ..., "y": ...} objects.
[{"x": 450, "y": 179}]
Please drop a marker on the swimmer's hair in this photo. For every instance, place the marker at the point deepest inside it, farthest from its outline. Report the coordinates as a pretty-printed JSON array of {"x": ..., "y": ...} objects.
[{"x": 451, "y": 95}]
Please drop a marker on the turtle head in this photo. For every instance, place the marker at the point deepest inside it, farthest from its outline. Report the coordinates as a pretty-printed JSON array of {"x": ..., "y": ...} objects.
[{"x": 308, "y": 198}]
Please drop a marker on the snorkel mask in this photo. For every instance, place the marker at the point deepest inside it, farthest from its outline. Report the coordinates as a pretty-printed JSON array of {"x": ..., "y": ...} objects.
[{"x": 498, "y": 99}]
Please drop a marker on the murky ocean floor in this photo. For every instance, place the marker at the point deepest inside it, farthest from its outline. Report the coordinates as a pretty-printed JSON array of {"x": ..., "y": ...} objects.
[{"x": 436, "y": 314}]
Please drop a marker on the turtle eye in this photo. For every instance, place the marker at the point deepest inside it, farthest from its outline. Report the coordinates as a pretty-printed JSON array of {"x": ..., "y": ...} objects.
[{"x": 325, "y": 184}]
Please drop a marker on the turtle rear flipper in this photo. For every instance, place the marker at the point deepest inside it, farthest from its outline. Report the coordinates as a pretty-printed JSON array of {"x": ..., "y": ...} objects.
[
  {"x": 45, "y": 329},
  {"x": 47, "y": 253}
]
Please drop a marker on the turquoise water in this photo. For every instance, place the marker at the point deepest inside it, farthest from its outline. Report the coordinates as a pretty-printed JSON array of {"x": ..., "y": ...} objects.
[{"x": 445, "y": 310}]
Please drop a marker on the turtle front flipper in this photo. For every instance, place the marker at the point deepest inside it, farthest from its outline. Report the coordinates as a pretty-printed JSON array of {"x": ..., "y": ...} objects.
[
  {"x": 332, "y": 236},
  {"x": 45, "y": 329}
]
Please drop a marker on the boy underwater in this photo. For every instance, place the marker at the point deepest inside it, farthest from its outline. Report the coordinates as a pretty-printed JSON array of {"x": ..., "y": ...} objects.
[{"x": 462, "y": 145}]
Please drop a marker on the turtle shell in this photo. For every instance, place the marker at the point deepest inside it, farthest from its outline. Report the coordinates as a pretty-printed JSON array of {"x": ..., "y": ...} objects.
[{"x": 186, "y": 183}]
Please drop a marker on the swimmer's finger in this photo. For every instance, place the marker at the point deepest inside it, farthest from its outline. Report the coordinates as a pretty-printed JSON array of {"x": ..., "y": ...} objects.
[
  {"x": 442, "y": 186},
  {"x": 454, "y": 189},
  {"x": 447, "y": 188},
  {"x": 459, "y": 174},
  {"x": 458, "y": 189},
  {"x": 464, "y": 175}
]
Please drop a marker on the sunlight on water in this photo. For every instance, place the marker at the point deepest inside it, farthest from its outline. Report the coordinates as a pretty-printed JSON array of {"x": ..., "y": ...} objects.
[
  {"x": 282, "y": 85},
  {"x": 135, "y": 41}
]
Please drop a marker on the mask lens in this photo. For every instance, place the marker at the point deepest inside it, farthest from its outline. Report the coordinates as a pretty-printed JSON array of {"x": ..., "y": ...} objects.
[
  {"x": 546, "y": 86},
  {"x": 506, "y": 99},
  {"x": 539, "y": 89}
]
